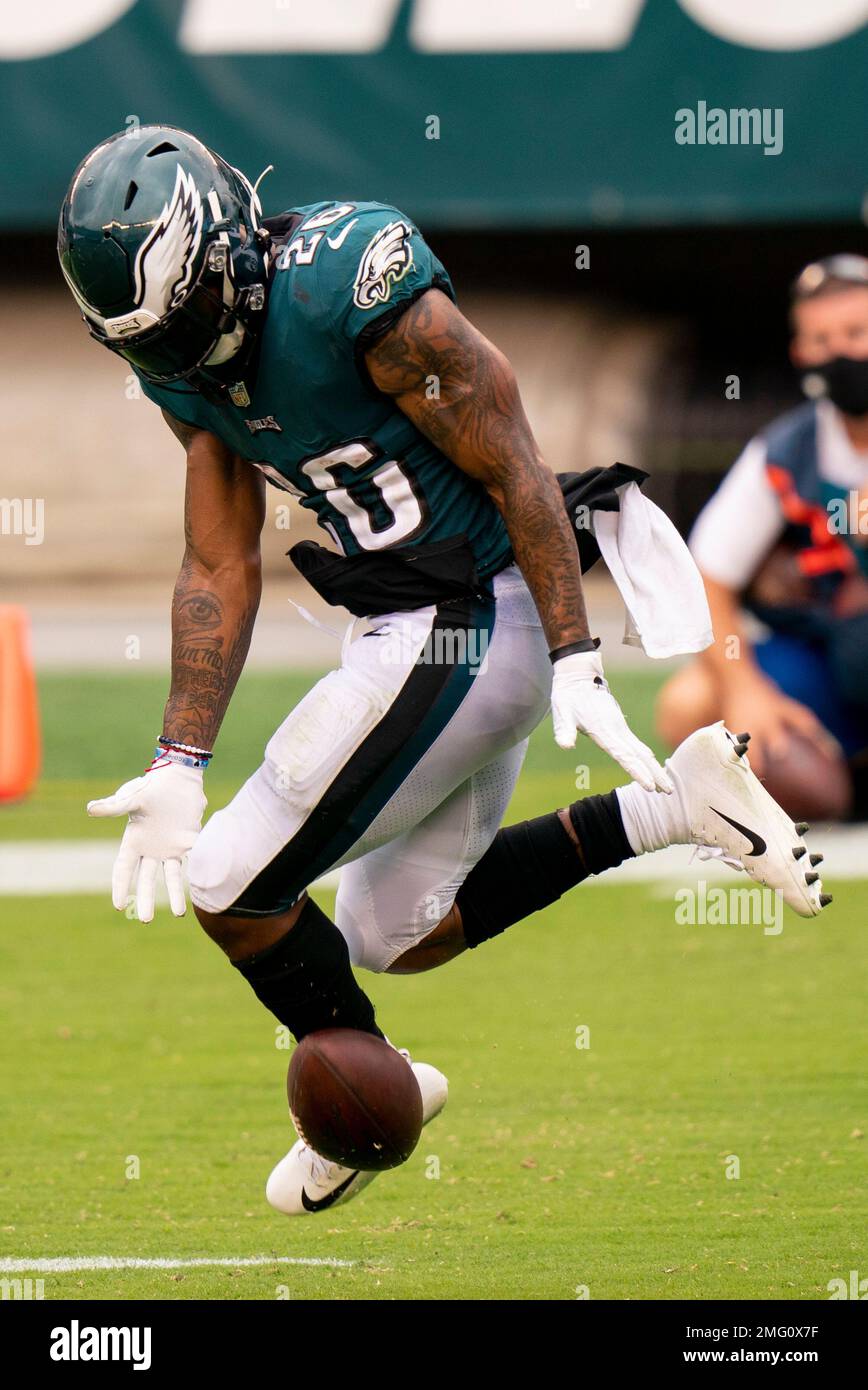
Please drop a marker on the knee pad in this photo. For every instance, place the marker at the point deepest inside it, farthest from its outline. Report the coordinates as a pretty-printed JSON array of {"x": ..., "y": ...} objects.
[
  {"x": 206, "y": 867},
  {"x": 222, "y": 862},
  {"x": 354, "y": 919}
]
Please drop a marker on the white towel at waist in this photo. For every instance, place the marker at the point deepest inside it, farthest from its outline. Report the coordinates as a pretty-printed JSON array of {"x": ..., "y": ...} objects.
[{"x": 667, "y": 611}]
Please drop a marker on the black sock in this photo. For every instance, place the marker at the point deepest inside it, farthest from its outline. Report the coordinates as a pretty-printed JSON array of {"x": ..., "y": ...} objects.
[
  {"x": 306, "y": 980},
  {"x": 598, "y": 824},
  {"x": 530, "y": 865},
  {"x": 859, "y": 781}
]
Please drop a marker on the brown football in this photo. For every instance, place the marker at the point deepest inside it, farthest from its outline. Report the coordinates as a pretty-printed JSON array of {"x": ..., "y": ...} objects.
[
  {"x": 808, "y": 782},
  {"x": 354, "y": 1099}
]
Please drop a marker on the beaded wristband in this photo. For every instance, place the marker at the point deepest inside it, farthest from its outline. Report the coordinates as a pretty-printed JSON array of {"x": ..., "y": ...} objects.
[
  {"x": 185, "y": 747},
  {"x": 173, "y": 754}
]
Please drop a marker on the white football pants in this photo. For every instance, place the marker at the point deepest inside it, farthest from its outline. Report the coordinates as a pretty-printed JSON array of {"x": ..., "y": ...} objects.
[{"x": 398, "y": 765}]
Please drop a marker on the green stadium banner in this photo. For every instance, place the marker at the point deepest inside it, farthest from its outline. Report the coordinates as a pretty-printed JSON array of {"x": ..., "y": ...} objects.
[{"x": 466, "y": 113}]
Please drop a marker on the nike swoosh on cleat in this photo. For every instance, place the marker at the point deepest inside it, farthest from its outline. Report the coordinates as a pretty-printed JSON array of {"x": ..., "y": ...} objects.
[
  {"x": 758, "y": 845},
  {"x": 320, "y": 1205}
]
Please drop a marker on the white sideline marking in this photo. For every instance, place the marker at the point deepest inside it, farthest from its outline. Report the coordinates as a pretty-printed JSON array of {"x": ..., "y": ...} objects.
[
  {"x": 75, "y": 1264},
  {"x": 45, "y": 868},
  {"x": 41, "y": 868}
]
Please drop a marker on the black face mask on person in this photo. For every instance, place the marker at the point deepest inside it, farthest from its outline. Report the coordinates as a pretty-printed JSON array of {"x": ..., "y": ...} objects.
[{"x": 843, "y": 380}]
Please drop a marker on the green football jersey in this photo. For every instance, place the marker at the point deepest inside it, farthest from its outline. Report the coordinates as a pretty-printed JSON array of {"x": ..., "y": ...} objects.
[{"x": 315, "y": 425}]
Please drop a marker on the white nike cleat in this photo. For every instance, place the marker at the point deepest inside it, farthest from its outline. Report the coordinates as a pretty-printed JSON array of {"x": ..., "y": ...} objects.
[
  {"x": 306, "y": 1182},
  {"x": 732, "y": 817}
]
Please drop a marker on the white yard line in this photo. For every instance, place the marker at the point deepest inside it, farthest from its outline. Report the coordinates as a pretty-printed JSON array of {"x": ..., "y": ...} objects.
[
  {"x": 41, "y": 868},
  {"x": 74, "y": 1264}
]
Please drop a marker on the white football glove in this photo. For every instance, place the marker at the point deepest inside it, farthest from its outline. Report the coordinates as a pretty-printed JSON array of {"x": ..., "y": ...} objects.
[
  {"x": 581, "y": 700},
  {"x": 165, "y": 808}
]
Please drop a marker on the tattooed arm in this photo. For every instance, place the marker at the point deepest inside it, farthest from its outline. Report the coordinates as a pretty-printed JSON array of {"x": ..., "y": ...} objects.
[
  {"x": 217, "y": 591},
  {"x": 478, "y": 421}
]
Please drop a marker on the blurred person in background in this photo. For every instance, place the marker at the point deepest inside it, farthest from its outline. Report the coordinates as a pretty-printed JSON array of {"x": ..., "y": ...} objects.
[{"x": 785, "y": 538}]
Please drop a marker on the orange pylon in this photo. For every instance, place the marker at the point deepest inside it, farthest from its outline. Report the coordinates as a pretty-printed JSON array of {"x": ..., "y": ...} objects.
[{"x": 19, "y": 713}]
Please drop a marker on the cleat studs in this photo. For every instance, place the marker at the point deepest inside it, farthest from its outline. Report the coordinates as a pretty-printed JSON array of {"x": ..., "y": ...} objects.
[
  {"x": 740, "y": 749},
  {"x": 816, "y": 859},
  {"x": 799, "y": 852},
  {"x": 802, "y": 827},
  {"x": 825, "y": 899},
  {"x": 743, "y": 738},
  {"x": 811, "y": 878}
]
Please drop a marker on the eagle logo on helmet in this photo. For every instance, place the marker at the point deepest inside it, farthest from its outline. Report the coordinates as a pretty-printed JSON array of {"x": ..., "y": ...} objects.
[
  {"x": 164, "y": 262},
  {"x": 386, "y": 259}
]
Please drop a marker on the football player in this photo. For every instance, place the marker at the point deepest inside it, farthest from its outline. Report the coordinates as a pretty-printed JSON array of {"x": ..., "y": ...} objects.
[{"x": 322, "y": 351}]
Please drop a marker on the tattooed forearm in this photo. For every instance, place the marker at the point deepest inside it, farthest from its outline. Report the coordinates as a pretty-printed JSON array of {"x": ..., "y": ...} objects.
[
  {"x": 211, "y": 632},
  {"x": 546, "y": 552},
  {"x": 462, "y": 393},
  {"x": 217, "y": 591}
]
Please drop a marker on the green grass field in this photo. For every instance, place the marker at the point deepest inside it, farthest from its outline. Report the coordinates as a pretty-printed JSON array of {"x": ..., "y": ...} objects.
[{"x": 559, "y": 1167}]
